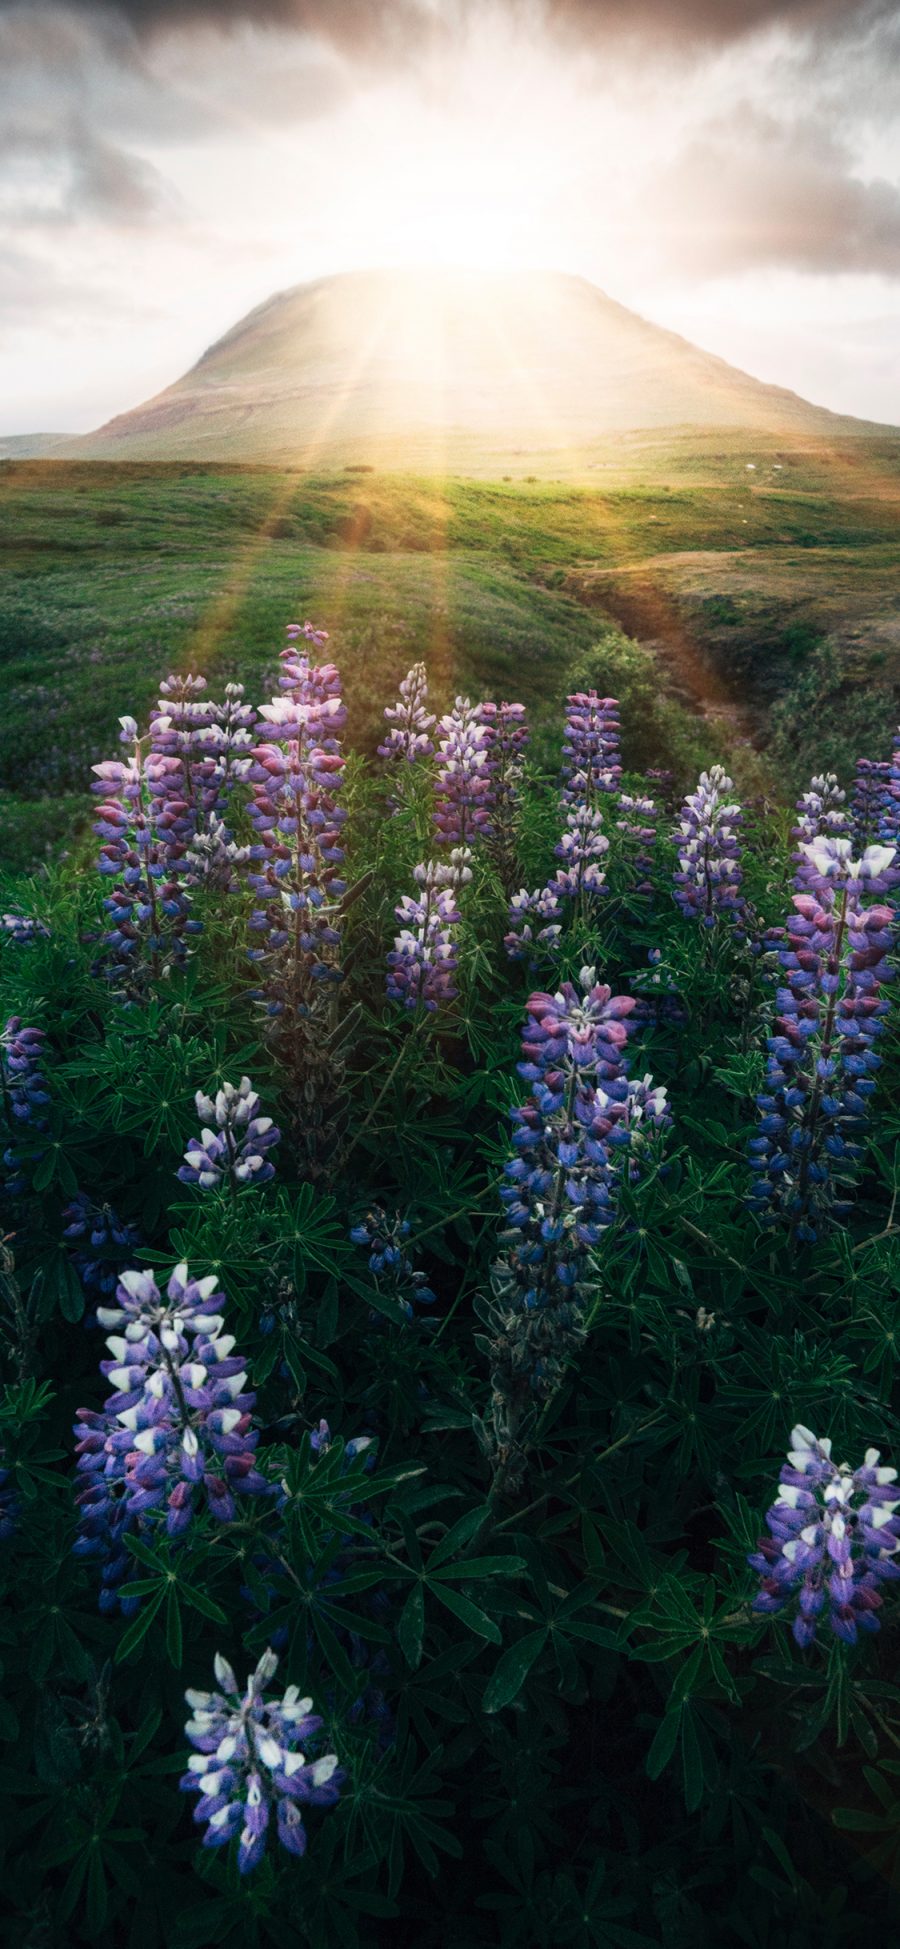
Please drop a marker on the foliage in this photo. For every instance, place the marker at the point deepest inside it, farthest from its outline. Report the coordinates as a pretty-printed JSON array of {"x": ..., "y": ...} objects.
[{"x": 471, "y": 1415}]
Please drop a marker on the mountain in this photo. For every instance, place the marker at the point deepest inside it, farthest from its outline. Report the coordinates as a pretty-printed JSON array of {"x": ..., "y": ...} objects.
[
  {"x": 31, "y": 446},
  {"x": 437, "y": 370}
]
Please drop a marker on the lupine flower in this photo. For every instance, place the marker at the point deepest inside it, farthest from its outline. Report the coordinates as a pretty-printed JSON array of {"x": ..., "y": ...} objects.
[
  {"x": 175, "y": 1433},
  {"x": 557, "y": 1195},
  {"x": 409, "y": 720},
  {"x": 106, "y": 1243},
  {"x": 213, "y": 856},
  {"x": 250, "y": 1759},
  {"x": 708, "y": 877},
  {"x": 145, "y": 824},
  {"x": 871, "y": 801},
  {"x": 295, "y": 779},
  {"x": 575, "y": 1141},
  {"x": 23, "y": 1093},
  {"x": 9, "y": 1505},
  {"x": 582, "y": 846},
  {"x": 637, "y": 823},
  {"x": 834, "y": 1537},
  {"x": 575, "y": 884},
  {"x": 822, "y": 1060},
  {"x": 463, "y": 782},
  {"x": 821, "y": 814},
  {"x": 423, "y": 962},
  {"x": 385, "y": 1241},
  {"x": 591, "y": 763},
  {"x": 507, "y": 741},
  {"x": 23, "y": 929},
  {"x": 535, "y": 923},
  {"x": 232, "y": 1146}
]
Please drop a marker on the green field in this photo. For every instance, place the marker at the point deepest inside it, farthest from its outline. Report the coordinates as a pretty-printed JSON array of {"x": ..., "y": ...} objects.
[{"x": 740, "y": 597}]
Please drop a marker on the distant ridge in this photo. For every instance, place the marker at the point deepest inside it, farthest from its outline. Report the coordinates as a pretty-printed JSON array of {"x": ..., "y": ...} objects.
[{"x": 438, "y": 370}]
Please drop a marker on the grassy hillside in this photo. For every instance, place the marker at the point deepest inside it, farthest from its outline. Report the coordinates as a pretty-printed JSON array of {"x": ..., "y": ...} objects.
[{"x": 758, "y": 581}]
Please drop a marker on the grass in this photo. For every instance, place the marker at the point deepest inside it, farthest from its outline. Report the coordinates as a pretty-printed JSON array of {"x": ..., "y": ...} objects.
[{"x": 779, "y": 580}]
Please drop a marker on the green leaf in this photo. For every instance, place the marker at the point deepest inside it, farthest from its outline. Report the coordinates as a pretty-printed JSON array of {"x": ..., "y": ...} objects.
[
  {"x": 664, "y": 1743},
  {"x": 138, "y": 1628},
  {"x": 510, "y": 1672},
  {"x": 174, "y": 1636},
  {"x": 411, "y": 1627},
  {"x": 468, "y": 1614}
]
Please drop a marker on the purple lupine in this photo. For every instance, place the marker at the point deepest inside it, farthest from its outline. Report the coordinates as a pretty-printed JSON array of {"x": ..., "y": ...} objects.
[
  {"x": 576, "y": 1140},
  {"x": 385, "y": 1239},
  {"x": 821, "y": 814},
  {"x": 463, "y": 780},
  {"x": 175, "y": 1433},
  {"x": 507, "y": 742},
  {"x": 250, "y": 1759},
  {"x": 535, "y": 924},
  {"x": 23, "y": 929},
  {"x": 708, "y": 875},
  {"x": 295, "y": 779},
  {"x": 822, "y": 1060},
  {"x": 105, "y": 1243},
  {"x": 557, "y": 1195},
  {"x": 231, "y": 1148},
  {"x": 145, "y": 823},
  {"x": 423, "y": 962},
  {"x": 637, "y": 822},
  {"x": 871, "y": 800},
  {"x": 9, "y": 1505},
  {"x": 24, "y": 1094},
  {"x": 591, "y": 763},
  {"x": 536, "y": 919},
  {"x": 408, "y": 720},
  {"x": 834, "y": 1538}
]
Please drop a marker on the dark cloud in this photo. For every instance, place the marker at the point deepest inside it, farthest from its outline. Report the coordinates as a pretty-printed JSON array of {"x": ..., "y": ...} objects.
[
  {"x": 395, "y": 28},
  {"x": 714, "y": 22},
  {"x": 368, "y": 29},
  {"x": 752, "y": 193}
]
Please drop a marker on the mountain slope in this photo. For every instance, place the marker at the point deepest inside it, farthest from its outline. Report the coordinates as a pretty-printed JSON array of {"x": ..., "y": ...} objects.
[{"x": 444, "y": 369}]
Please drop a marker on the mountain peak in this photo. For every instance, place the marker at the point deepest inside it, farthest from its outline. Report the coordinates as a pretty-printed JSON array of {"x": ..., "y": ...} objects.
[{"x": 437, "y": 369}]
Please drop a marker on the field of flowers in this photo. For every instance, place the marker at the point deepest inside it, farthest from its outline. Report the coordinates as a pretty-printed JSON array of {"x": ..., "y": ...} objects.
[{"x": 448, "y": 1319}]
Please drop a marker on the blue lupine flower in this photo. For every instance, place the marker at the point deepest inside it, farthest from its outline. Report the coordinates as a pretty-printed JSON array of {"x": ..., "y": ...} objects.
[
  {"x": 423, "y": 961},
  {"x": 23, "y": 929},
  {"x": 106, "y": 1243},
  {"x": 822, "y": 1061},
  {"x": 462, "y": 790},
  {"x": 295, "y": 777},
  {"x": 232, "y": 1145},
  {"x": 385, "y": 1240},
  {"x": 834, "y": 1538},
  {"x": 558, "y": 1194},
  {"x": 250, "y": 1759},
  {"x": 708, "y": 876},
  {"x": 177, "y": 1430},
  {"x": 638, "y": 825},
  {"x": 23, "y": 1094},
  {"x": 408, "y": 720},
  {"x": 145, "y": 823},
  {"x": 591, "y": 765},
  {"x": 9, "y": 1506}
]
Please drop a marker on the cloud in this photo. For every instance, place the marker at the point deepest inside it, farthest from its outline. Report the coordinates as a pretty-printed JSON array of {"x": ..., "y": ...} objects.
[
  {"x": 389, "y": 30},
  {"x": 752, "y": 193},
  {"x": 397, "y": 27},
  {"x": 64, "y": 172},
  {"x": 714, "y": 22}
]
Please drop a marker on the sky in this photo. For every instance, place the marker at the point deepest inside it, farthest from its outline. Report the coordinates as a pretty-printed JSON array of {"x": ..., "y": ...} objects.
[{"x": 729, "y": 168}]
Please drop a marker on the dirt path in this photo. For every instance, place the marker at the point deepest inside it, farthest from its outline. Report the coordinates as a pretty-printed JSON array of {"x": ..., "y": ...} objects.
[{"x": 637, "y": 601}]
